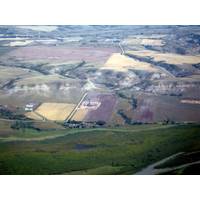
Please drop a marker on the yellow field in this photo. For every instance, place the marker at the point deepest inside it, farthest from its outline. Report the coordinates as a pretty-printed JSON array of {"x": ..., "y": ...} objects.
[
  {"x": 123, "y": 63},
  {"x": 33, "y": 115},
  {"x": 55, "y": 111},
  {"x": 80, "y": 114},
  {"x": 170, "y": 58}
]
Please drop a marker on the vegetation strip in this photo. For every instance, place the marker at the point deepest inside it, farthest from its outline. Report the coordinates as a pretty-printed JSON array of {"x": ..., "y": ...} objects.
[{"x": 81, "y": 131}]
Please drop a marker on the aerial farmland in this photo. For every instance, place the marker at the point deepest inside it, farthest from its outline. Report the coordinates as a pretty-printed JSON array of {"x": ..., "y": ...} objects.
[{"x": 96, "y": 99}]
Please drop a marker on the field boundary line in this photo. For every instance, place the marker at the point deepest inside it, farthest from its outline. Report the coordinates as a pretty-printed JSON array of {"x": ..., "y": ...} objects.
[{"x": 76, "y": 107}]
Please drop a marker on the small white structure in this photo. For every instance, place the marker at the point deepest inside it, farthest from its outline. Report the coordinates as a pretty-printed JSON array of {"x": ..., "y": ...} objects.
[
  {"x": 88, "y": 104},
  {"x": 29, "y": 107}
]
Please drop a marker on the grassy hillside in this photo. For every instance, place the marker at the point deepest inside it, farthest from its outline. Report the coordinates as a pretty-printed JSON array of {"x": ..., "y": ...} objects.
[{"x": 95, "y": 151}]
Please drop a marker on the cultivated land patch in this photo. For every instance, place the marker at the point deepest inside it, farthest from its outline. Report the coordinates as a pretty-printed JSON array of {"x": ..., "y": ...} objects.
[
  {"x": 33, "y": 115},
  {"x": 62, "y": 53},
  {"x": 95, "y": 107},
  {"x": 170, "y": 58},
  {"x": 104, "y": 111},
  {"x": 55, "y": 111},
  {"x": 157, "y": 108},
  {"x": 80, "y": 114},
  {"x": 120, "y": 62}
]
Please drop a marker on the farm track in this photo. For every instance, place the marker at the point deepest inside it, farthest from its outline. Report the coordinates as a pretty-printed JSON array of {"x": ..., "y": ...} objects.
[
  {"x": 75, "y": 109},
  {"x": 44, "y": 119},
  {"x": 75, "y": 131},
  {"x": 41, "y": 116},
  {"x": 121, "y": 49},
  {"x": 152, "y": 170}
]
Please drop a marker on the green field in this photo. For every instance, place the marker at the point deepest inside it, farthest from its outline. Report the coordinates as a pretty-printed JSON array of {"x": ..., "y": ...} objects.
[{"x": 94, "y": 151}]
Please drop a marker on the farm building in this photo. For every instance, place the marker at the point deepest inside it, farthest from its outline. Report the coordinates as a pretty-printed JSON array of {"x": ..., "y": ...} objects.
[{"x": 29, "y": 107}]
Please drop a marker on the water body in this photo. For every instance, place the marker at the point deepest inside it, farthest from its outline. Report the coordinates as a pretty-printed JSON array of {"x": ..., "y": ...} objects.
[{"x": 81, "y": 147}]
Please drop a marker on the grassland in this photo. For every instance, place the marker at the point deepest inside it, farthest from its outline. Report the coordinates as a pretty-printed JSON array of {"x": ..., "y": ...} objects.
[
  {"x": 55, "y": 111},
  {"x": 96, "y": 151},
  {"x": 45, "y": 127},
  {"x": 11, "y": 73},
  {"x": 120, "y": 62}
]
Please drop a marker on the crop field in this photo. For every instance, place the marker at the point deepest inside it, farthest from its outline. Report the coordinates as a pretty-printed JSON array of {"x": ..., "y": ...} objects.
[
  {"x": 104, "y": 111},
  {"x": 94, "y": 151},
  {"x": 170, "y": 58},
  {"x": 55, "y": 111},
  {"x": 53, "y": 53},
  {"x": 80, "y": 114},
  {"x": 33, "y": 115},
  {"x": 120, "y": 62},
  {"x": 151, "y": 108}
]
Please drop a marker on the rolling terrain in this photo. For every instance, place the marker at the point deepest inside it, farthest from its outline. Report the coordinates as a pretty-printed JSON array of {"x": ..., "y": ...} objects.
[{"x": 99, "y": 99}]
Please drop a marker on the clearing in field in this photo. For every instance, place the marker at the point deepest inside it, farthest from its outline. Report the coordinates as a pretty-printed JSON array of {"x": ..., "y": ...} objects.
[
  {"x": 144, "y": 41},
  {"x": 170, "y": 58},
  {"x": 55, "y": 111},
  {"x": 190, "y": 101},
  {"x": 19, "y": 43},
  {"x": 122, "y": 63}
]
